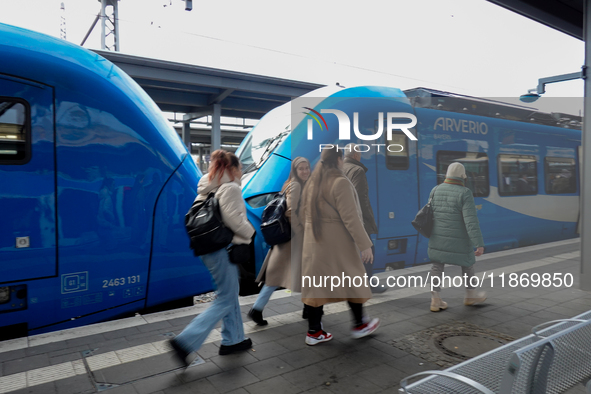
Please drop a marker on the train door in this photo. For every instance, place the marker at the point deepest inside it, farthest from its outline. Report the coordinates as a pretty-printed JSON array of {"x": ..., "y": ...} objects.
[
  {"x": 397, "y": 202},
  {"x": 27, "y": 179}
]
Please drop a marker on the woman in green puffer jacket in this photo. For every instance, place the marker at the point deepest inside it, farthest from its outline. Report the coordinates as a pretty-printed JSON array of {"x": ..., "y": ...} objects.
[{"x": 456, "y": 233}]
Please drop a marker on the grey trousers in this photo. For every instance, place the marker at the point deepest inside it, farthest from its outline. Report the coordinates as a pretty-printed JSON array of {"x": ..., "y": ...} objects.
[{"x": 437, "y": 271}]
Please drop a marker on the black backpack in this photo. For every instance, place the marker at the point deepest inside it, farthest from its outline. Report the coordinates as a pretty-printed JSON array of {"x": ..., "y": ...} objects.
[
  {"x": 205, "y": 227},
  {"x": 275, "y": 226}
]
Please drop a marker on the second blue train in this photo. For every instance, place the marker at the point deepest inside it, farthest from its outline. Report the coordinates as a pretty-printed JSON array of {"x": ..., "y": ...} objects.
[{"x": 522, "y": 164}]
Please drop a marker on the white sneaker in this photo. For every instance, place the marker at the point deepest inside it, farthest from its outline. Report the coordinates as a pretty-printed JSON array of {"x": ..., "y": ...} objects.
[
  {"x": 319, "y": 337},
  {"x": 365, "y": 329}
]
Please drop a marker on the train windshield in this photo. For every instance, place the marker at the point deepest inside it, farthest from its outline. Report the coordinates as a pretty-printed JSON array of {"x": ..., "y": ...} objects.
[{"x": 264, "y": 138}]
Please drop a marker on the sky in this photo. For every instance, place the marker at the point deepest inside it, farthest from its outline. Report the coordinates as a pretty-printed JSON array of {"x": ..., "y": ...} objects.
[{"x": 469, "y": 47}]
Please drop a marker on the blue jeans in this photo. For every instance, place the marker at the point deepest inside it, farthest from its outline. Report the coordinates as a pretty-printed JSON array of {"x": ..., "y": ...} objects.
[
  {"x": 225, "y": 307},
  {"x": 263, "y": 297}
]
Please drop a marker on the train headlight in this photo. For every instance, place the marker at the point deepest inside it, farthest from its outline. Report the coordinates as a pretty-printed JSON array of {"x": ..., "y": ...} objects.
[
  {"x": 260, "y": 200},
  {"x": 4, "y": 295}
]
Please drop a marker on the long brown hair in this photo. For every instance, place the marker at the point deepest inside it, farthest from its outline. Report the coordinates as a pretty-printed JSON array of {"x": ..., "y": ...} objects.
[
  {"x": 221, "y": 161},
  {"x": 326, "y": 169},
  {"x": 293, "y": 174}
]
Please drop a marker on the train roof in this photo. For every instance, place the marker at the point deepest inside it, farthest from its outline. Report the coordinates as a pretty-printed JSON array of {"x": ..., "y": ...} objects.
[
  {"x": 446, "y": 101},
  {"x": 47, "y": 60}
]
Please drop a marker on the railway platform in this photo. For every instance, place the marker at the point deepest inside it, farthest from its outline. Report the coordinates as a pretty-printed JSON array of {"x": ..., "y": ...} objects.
[{"x": 526, "y": 287}]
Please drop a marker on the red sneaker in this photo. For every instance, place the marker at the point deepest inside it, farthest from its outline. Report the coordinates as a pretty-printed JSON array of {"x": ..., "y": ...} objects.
[
  {"x": 318, "y": 337},
  {"x": 365, "y": 329}
]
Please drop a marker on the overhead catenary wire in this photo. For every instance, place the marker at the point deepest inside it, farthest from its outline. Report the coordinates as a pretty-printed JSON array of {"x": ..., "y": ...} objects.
[{"x": 154, "y": 24}]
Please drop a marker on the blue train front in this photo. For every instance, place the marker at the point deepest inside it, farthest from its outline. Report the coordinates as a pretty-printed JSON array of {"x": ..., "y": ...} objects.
[
  {"x": 95, "y": 186},
  {"x": 502, "y": 147}
]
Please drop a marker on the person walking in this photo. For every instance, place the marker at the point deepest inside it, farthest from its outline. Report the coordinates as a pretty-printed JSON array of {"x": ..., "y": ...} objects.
[
  {"x": 224, "y": 180},
  {"x": 356, "y": 172},
  {"x": 283, "y": 265},
  {"x": 333, "y": 238},
  {"x": 455, "y": 235}
]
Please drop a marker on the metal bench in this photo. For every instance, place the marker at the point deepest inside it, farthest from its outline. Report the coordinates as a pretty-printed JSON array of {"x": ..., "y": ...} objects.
[{"x": 550, "y": 360}]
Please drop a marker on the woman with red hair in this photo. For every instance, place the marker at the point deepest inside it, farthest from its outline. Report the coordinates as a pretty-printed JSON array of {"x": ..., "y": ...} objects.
[{"x": 224, "y": 180}]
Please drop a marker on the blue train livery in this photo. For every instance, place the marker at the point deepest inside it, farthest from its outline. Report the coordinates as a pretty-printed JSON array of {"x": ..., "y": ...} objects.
[
  {"x": 522, "y": 165},
  {"x": 95, "y": 184}
]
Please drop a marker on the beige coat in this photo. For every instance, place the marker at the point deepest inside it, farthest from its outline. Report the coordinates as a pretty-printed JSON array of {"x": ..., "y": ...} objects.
[
  {"x": 283, "y": 265},
  {"x": 337, "y": 252},
  {"x": 232, "y": 206}
]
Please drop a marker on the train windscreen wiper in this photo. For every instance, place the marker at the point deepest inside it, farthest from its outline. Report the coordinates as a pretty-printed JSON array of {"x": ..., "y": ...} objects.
[{"x": 270, "y": 147}]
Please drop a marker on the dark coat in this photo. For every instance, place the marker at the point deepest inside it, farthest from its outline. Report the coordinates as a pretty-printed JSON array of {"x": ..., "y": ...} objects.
[
  {"x": 355, "y": 171},
  {"x": 456, "y": 230}
]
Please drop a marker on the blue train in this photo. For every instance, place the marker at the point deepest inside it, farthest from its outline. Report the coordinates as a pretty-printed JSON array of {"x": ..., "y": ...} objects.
[
  {"x": 522, "y": 165},
  {"x": 94, "y": 186}
]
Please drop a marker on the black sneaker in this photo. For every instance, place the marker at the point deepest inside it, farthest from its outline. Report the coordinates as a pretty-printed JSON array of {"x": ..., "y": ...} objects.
[
  {"x": 257, "y": 317},
  {"x": 179, "y": 353},
  {"x": 239, "y": 347}
]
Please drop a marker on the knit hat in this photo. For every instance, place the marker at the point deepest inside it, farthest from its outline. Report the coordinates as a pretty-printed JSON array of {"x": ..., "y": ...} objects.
[{"x": 456, "y": 170}]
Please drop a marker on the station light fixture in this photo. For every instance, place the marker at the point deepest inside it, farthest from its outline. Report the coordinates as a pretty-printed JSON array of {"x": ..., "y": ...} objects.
[{"x": 535, "y": 93}]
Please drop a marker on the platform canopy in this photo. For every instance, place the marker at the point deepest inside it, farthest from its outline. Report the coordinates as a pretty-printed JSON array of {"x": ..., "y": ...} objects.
[
  {"x": 564, "y": 15},
  {"x": 185, "y": 88},
  {"x": 195, "y": 91}
]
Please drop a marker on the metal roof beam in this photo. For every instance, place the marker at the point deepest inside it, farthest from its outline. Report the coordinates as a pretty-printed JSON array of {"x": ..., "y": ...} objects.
[
  {"x": 196, "y": 115},
  {"x": 218, "y": 99},
  {"x": 177, "y": 98},
  {"x": 168, "y": 85},
  {"x": 225, "y": 112},
  {"x": 137, "y": 71}
]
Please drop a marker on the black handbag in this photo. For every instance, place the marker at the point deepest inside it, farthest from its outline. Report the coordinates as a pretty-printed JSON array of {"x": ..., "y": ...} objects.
[
  {"x": 205, "y": 227},
  {"x": 275, "y": 226},
  {"x": 423, "y": 222},
  {"x": 239, "y": 254}
]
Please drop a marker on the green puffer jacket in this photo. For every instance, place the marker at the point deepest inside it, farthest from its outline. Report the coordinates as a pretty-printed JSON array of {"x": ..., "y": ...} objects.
[{"x": 456, "y": 231}]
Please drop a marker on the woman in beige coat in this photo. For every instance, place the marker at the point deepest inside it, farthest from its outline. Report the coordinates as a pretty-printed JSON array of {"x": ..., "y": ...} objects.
[
  {"x": 283, "y": 265},
  {"x": 333, "y": 238}
]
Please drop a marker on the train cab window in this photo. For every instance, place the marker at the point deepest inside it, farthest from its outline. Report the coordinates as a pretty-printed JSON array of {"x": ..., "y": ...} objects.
[
  {"x": 397, "y": 152},
  {"x": 518, "y": 175},
  {"x": 14, "y": 132},
  {"x": 476, "y": 165},
  {"x": 560, "y": 175}
]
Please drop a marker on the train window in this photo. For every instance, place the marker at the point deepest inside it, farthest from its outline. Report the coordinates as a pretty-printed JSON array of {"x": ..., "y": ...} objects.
[
  {"x": 560, "y": 175},
  {"x": 476, "y": 164},
  {"x": 15, "y": 139},
  {"x": 518, "y": 175},
  {"x": 397, "y": 152}
]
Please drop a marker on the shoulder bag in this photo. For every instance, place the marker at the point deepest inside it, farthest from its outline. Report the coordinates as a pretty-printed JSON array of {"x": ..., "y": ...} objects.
[
  {"x": 275, "y": 226},
  {"x": 423, "y": 221}
]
